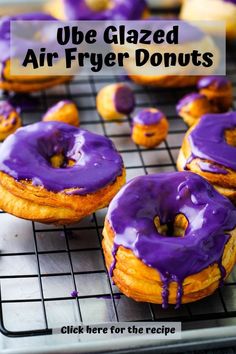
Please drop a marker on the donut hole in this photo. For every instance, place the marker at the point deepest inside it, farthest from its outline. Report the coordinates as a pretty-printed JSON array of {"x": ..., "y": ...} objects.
[
  {"x": 172, "y": 229},
  {"x": 230, "y": 137},
  {"x": 96, "y": 5},
  {"x": 60, "y": 161}
]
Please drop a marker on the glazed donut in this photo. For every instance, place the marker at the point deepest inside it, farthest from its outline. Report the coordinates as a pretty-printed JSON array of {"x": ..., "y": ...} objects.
[
  {"x": 115, "y": 101},
  {"x": 211, "y": 10},
  {"x": 193, "y": 106},
  {"x": 190, "y": 38},
  {"x": 21, "y": 83},
  {"x": 9, "y": 120},
  {"x": 149, "y": 127},
  {"x": 52, "y": 172},
  {"x": 209, "y": 150},
  {"x": 218, "y": 90},
  {"x": 63, "y": 111},
  {"x": 98, "y": 9},
  {"x": 169, "y": 238}
]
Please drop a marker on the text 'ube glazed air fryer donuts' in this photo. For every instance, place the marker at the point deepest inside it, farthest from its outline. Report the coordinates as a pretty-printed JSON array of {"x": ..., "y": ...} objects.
[
  {"x": 19, "y": 83},
  {"x": 9, "y": 119},
  {"x": 169, "y": 238},
  {"x": 56, "y": 173},
  {"x": 98, "y": 9},
  {"x": 209, "y": 149}
]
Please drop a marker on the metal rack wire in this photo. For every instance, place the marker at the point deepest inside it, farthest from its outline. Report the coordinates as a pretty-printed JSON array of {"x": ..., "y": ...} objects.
[{"x": 74, "y": 252}]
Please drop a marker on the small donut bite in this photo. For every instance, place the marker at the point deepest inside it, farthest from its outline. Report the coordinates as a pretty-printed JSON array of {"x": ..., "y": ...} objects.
[
  {"x": 115, "y": 101},
  {"x": 9, "y": 119},
  {"x": 64, "y": 111},
  {"x": 150, "y": 127},
  {"x": 218, "y": 90},
  {"x": 192, "y": 106}
]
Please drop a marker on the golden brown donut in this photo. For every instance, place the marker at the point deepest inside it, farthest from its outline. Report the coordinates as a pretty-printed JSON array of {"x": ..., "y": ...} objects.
[
  {"x": 153, "y": 262},
  {"x": 63, "y": 111},
  {"x": 149, "y": 127},
  {"x": 211, "y": 10},
  {"x": 193, "y": 106},
  {"x": 9, "y": 120},
  {"x": 208, "y": 149},
  {"x": 59, "y": 173},
  {"x": 218, "y": 90},
  {"x": 115, "y": 101}
]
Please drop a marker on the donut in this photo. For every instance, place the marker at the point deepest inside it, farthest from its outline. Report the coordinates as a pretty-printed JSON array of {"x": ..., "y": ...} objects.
[
  {"x": 21, "y": 83},
  {"x": 149, "y": 127},
  {"x": 52, "y": 172},
  {"x": 211, "y": 10},
  {"x": 98, "y": 9},
  {"x": 63, "y": 111},
  {"x": 193, "y": 106},
  {"x": 219, "y": 91},
  {"x": 190, "y": 38},
  {"x": 165, "y": 238},
  {"x": 209, "y": 149},
  {"x": 9, "y": 120},
  {"x": 115, "y": 101}
]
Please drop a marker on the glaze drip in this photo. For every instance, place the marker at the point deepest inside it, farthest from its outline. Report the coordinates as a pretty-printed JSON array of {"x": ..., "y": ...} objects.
[
  {"x": 26, "y": 155},
  {"x": 210, "y": 216},
  {"x": 213, "y": 146},
  {"x": 208, "y": 167}
]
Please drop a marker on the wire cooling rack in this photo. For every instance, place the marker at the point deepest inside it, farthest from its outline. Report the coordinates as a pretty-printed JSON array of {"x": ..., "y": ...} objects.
[{"x": 41, "y": 265}]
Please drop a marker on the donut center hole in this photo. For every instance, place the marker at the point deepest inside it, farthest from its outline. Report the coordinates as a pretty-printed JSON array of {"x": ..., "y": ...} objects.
[
  {"x": 230, "y": 137},
  {"x": 60, "y": 161},
  {"x": 96, "y": 5},
  {"x": 172, "y": 229}
]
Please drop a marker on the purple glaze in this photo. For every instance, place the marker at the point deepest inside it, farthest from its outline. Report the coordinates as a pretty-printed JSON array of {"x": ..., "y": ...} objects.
[
  {"x": 148, "y": 117},
  {"x": 187, "y": 99},
  {"x": 5, "y": 31},
  {"x": 232, "y": 1},
  {"x": 217, "y": 81},
  {"x": 74, "y": 293},
  {"x": 124, "y": 99},
  {"x": 23, "y": 102},
  {"x": 26, "y": 155},
  {"x": 5, "y": 110},
  {"x": 208, "y": 167},
  {"x": 207, "y": 140},
  {"x": 122, "y": 10},
  {"x": 132, "y": 212},
  {"x": 56, "y": 107}
]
